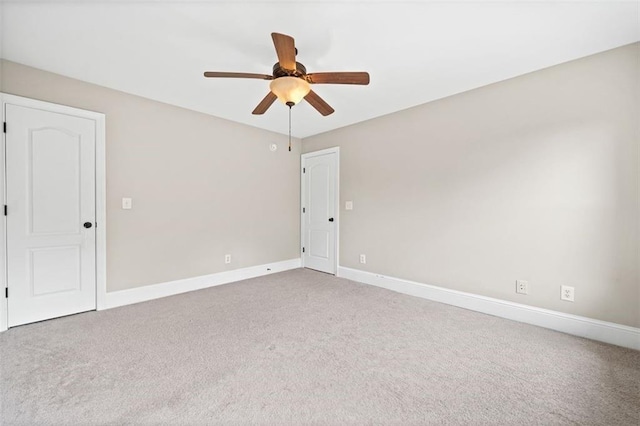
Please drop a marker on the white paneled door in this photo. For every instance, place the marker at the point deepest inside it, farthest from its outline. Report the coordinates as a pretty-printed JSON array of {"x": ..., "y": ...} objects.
[
  {"x": 51, "y": 250},
  {"x": 319, "y": 217}
]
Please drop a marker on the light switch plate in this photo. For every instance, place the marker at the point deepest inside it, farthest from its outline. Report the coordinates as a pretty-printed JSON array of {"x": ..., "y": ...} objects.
[
  {"x": 127, "y": 204},
  {"x": 348, "y": 205}
]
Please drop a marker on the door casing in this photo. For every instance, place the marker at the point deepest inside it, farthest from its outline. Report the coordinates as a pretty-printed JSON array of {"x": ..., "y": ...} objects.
[
  {"x": 100, "y": 191},
  {"x": 303, "y": 157}
]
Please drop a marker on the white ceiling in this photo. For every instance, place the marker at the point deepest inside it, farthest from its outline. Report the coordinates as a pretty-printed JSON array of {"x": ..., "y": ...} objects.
[{"x": 415, "y": 51}]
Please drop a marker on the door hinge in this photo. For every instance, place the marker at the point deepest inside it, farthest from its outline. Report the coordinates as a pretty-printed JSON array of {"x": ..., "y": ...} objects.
[
  {"x": 4, "y": 127},
  {"x": 303, "y": 210},
  {"x": 303, "y": 249},
  {"x": 304, "y": 169},
  {"x": 5, "y": 209},
  {"x": 6, "y": 292}
]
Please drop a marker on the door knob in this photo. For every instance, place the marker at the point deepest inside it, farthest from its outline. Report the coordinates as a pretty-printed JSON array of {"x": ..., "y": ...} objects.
[
  {"x": 88, "y": 225},
  {"x": 330, "y": 219}
]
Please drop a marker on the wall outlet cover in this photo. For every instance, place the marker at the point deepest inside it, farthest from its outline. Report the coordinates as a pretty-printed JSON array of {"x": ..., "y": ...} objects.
[
  {"x": 567, "y": 293},
  {"x": 522, "y": 287}
]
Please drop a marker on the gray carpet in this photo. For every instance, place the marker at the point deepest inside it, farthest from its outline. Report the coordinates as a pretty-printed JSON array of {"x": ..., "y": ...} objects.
[{"x": 302, "y": 347}]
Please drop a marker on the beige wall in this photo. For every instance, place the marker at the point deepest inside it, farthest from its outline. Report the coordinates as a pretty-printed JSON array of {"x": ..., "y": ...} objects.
[
  {"x": 534, "y": 178},
  {"x": 202, "y": 186}
]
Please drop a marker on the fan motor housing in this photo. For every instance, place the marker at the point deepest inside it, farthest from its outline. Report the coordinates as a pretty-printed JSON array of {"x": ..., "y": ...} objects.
[{"x": 278, "y": 71}]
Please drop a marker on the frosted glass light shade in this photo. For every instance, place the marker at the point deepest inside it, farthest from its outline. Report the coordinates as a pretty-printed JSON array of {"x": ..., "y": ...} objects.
[{"x": 290, "y": 89}]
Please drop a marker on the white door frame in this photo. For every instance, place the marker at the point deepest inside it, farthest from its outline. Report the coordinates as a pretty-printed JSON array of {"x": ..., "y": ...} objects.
[
  {"x": 303, "y": 157},
  {"x": 101, "y": 213}
]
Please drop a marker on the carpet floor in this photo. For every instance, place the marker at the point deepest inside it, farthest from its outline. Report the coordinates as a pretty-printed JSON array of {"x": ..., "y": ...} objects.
[{"x": 302, "y": 347}]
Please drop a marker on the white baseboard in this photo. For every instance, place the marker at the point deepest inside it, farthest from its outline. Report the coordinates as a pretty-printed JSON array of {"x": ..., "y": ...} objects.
[
  {"x": 156, "y": 291},
  {"x": 603, "y": 331}
]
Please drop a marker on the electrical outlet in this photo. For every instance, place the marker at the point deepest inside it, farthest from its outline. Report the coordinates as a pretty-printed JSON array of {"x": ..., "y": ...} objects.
[
  {"x": 227, "y": 258},
  {"x": 567, "y": 293},
  {"x": 363, "y": 258},
  {"x": 522, "y": 287},
  {"x": 127, "y": 204}
]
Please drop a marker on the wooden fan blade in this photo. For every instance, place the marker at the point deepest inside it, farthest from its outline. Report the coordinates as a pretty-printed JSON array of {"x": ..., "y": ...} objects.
[
  {"x": 286, "y": 50},
  {"x": 264, "y": 104},
  {"x": 338, "y": 78},
  {"x": 237, "y": 75},
  {"x": 318, "y": 103}
]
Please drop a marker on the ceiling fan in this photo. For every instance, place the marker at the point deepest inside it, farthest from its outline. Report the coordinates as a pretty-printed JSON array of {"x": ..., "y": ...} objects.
[{"x": 290, "y": 81}]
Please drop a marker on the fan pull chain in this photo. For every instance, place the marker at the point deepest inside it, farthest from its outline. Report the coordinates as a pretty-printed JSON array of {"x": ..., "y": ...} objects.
[{"x": 289, "y": 128}]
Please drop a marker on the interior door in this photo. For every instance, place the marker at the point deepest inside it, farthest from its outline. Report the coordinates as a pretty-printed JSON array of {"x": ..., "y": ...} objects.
[
  {"x": 319, "y": 212},
  {"x": 50, "y": 201}
]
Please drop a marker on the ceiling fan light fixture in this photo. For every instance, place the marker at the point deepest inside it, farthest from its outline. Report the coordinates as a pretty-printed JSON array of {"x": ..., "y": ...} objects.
[
  {"x": 290, "y": 89},
  {"x": 289, "y": 79}
]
